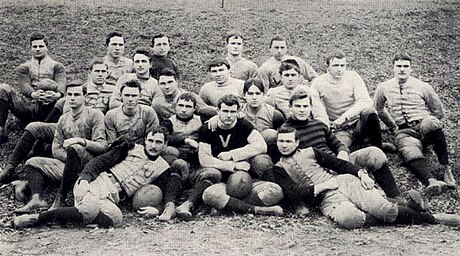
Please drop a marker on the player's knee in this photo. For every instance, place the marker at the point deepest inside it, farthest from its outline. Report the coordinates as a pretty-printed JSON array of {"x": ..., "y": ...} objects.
[
  {"x": 271, "y": 194},
  {"x": 216, "y": 196},
  {"x": 211, "y": 174},
  {"x": 180, "y": 167},
  {"x": 376, "y": 157},
  {"x": 430, "y": 124},
  {"x": 350, "y": 219},
  {"x": 5, "y": 89},
  {"x": 113, "y": 213},
  {"x": 368, "y": 112}
]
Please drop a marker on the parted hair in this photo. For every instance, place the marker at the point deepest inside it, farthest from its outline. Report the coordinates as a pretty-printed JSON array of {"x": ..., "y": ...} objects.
[
  {"x": 95, "y": 61},
  {"x": 217, "y": 62},
  {"x": 235, "y": 34},
  {"x": 298, "y": 95},
  {"x": 113, "y": 34},
  {"x": 288, "y": 129},
  {"x": 187, "y": 97},
  {"x": 253, "y": 82},
  {"x": 289, "y": 64},
  {"x": 339, "y": 54},
  {"x": 277, "y": 38},
  {"x": 229, "y": 100},
  {"x": 76, "y": 84},
  {"x": 158, "y": 129},
  {"x": 141, "y": 50},
  {"x": 159, "y": 35},
  {"x": 38, "y": 36},
  {"x": 168, "y": 72},
  {"x": 402, "y": 56},
  {"x": 132, "y": 84}
]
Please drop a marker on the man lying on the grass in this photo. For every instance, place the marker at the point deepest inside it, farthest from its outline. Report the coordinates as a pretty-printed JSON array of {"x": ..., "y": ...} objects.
[
  {"x": 348, "y": 197},
  {"x": 115, "y": 175}
]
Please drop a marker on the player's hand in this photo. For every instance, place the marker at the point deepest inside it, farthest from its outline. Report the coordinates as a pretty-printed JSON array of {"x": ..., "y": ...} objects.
[
  {"x": 225, "y": 156},
  {"x": 37, "y": 94},
  {"x": 330, "y": 184},
  {"x": 71, "y": 141},
  {"x": 366, "y": 181},
  {"x": 191, "y": 142},
  {"x": 242, "y": 166},
  {"x": 343, "y": 155},
  {"x": 148, "y": 211},
  {"x": 241, "y": 114},
  {"x": 212, "y": 123},
  {"x": 52, "y": 96}
]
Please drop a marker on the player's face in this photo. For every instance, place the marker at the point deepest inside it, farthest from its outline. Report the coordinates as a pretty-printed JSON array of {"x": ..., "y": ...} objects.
[
  {"x": 228, "y": 114},
  {"x": 141, "y": 64},
  {"x": 337, "y": 68},
  {"x": 301, "y": 109},
  {"x": 402, "y": 70},
  {"x": 278, "y": 49},
  {"x": 116, "y": 47},
  {"x": 155, "y": 144},
  {"x": 220, "y": 74},
  {"x": 98, "y": 74},
  {"x": 39, "y": 49},
  {"x": 75, "y": 97},
  {"x": 184, "y": 109},
  {"x": 287, "y": 143},
  {"x": 254, "y": 96},
  {"x": 130, "y": 98},
  {"x": 161, "y": 46},
  {"x": 290, "y": 78},
  {"x": 168, "y": 85},
  {"x": 235, "y": 46}
]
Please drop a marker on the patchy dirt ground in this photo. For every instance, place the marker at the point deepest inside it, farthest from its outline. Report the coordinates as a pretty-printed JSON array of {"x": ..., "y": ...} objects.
[{"x": 369, "y": 32}]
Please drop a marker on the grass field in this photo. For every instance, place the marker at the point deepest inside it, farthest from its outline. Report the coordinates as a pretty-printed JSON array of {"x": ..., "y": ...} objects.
[{"x": 370, "y": 32}]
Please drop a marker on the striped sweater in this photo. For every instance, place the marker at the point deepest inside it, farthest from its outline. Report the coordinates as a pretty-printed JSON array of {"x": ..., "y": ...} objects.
[{"x": 313, "y": 133}]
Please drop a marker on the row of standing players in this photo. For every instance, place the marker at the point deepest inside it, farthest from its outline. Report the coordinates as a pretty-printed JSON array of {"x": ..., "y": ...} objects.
[{"x": 334, "y": 114}]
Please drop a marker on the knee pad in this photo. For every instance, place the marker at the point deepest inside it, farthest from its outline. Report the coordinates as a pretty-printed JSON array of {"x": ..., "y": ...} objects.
[
  {"x": 216, "y": 196},
  {"x": 211, "y": 174},
  {"x": 430, "y": 124}
]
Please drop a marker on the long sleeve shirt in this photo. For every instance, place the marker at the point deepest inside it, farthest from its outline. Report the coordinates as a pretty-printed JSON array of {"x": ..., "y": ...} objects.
[
  {"x": 117, "y": 69},
  {"x": 150, "y": 90},
  {"x": 242, "y": 142},
  {"x": 266, "y": 117},
  {"x": 279, "y": 98},
  {"x": 269, "y": 71},
  {"x": 313, "y": 133},
  {"x": 347, "y": 97},
  {"x": 133, "y": 127},
  {"x": 242, "y": 68},
  {"x": 412, "y": 101},
  {"x": 211, "y": 92},
  {"x": 87, "y": 124},
  {"x": 32, "y": 71},
  {"x": 158, "y": 63}
]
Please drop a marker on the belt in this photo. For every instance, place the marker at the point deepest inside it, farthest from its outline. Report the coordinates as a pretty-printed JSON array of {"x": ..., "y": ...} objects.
[
  {"x": 115, "y": 182},
  {"x": 407, "y": 125}
]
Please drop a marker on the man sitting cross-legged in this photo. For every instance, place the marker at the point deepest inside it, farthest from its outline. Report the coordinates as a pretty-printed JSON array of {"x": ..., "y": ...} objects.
[
  {"x": 235, "y": 147},
  {"x": 347, "y": 196},
  {"x": 80, "y": 133},
  {"x": 118, "y": 173}
]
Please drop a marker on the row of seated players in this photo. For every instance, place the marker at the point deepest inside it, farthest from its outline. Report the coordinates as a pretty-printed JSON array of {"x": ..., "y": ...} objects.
[
  {"x": 289, "y": 74},
  {"x": 224, "y": 149}
]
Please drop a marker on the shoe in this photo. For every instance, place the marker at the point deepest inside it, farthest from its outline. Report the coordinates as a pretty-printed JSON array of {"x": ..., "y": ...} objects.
[
  {"x": 448, "y": 219},
  {"x": 435, "y": 188},
  {"x": 33, "y": 205},
  {"x": 23, "y": 221},
  {"x": 8, "y": 174},
  {"x": 301, "y": 210},
  {"x": 169, "y": 212},
  {"x": 183, "y": 211},
  {"x": 269, "y": 210},
  {"x": 448, "y": 177},
  {"x": 389, "y": 147},
  {"x": 21, "y": 191},
  {"x": 415, "y": 201},
  {"x": 3, "y": 135}
]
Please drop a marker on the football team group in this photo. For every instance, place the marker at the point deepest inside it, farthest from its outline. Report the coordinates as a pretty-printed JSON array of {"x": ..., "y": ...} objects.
[{"x": 256, "y": 139}]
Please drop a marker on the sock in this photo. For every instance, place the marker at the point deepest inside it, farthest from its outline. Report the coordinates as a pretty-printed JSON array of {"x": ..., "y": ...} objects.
[
  {"x": 407, "y": 215},
  {"x": 173, "y": 187},
  {"x": 236, "y": 205},
  {"x": 438, "y": 140},
  {"x": 371, "y": 221},
  {"x": 421, "y": 168},
  {"x": 3, "y": 112},
  {"x": 197, "y": 191},
  {"x": 71, "y": 171},
  {"x": 25, "y": 144},
  {"x": 254, "y": 199},
  {"x": 36, "y": 179},
  {"x": 374, "y": 132},
  {"x": 65, "y": 215},
  {"x": 386, "y": 181},
  {"x": 103, "y": 221}
]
